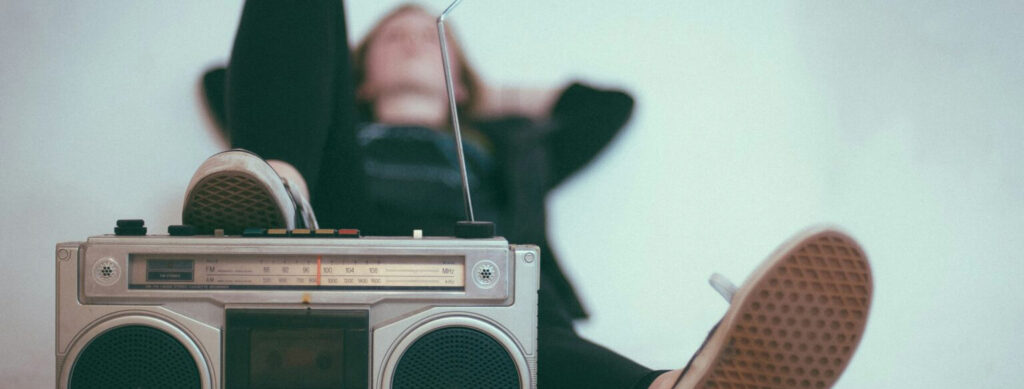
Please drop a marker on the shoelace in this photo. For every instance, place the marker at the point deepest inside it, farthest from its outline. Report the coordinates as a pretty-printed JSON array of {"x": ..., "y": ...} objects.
[
  {"x": 304, "y": 216},
  {"x": 723, "y": 286}
]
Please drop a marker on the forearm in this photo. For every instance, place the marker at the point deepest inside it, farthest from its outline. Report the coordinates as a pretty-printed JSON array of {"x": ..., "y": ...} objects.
[
  {"x": 584, "y": 120},
  {"x": 517, "y": 101}
]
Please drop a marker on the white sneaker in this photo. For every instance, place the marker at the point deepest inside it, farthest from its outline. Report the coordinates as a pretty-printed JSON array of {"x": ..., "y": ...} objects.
[
  {"x": 237, "y": 189},
  {"x": 795, "y": 322}
]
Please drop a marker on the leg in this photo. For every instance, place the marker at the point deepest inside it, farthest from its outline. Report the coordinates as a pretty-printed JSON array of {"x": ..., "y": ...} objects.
[
  {"x": 567, "y": 361},
  {"x": 289, "y": 82}
]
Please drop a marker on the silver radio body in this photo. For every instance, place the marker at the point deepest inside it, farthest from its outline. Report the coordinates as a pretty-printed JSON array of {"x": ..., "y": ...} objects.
[{"x": 297, "y": 312}]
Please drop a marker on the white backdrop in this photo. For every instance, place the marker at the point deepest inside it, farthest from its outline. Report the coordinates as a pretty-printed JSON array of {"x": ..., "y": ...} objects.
[{"x": 900, "y": 122}]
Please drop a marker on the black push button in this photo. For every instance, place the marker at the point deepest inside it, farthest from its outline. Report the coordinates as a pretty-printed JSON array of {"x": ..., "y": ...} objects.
[
  {"x": 130, "y": 227},
  {"x": 129, "y": 231},
  {"x": 130, "y": 223},
  {"x": 181, "y": 230}
]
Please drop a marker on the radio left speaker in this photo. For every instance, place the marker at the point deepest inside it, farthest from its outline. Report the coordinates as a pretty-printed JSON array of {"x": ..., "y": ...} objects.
[{"x": 128, "y": 346}]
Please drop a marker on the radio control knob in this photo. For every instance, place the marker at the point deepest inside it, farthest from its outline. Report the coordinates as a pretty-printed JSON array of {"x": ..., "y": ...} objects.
[
  {"x": 130, "y": 222},
  {"x": 181, "y": 230},
  {"x": 130, "y": 227}
]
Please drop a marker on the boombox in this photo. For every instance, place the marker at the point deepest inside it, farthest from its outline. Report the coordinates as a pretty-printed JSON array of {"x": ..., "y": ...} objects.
[{"x": 288, "y": 312}]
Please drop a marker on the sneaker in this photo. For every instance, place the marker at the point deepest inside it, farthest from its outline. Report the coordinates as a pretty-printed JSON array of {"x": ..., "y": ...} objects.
[
  {"x": 237, "y": 189},
  {"x": 795, "y": 322}
]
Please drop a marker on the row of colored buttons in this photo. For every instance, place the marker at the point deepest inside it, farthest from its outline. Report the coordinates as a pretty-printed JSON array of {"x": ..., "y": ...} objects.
[{"x": 302, "y": 232}]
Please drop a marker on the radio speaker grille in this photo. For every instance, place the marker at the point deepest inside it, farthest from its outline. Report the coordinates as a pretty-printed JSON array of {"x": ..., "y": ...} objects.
[
  {"x": 134, "y": 357},
  {"x": 456, "y": 357}
]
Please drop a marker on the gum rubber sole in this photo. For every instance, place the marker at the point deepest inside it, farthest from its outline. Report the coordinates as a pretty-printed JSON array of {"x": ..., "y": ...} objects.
[
  {"x": 795, "y": 323},
  {"x": 231, "y": 201}
]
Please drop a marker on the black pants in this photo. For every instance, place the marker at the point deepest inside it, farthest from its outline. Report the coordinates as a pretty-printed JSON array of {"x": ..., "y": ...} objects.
[{"x": 290, "y": 96}]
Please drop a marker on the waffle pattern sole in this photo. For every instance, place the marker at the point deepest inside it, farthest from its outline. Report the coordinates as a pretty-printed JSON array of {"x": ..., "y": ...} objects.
[
  {"x": 796, "y": 322},
  {"x": 231, "y": 201}
]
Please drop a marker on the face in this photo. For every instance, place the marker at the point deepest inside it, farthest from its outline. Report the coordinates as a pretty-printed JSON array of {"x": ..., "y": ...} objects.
[{"x": 405, "y": 56}]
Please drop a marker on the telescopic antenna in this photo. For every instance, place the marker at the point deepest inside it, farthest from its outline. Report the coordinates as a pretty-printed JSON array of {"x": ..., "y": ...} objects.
[
  {"x": 450, "y": 85},
  {"x": 470, "y": 228}
]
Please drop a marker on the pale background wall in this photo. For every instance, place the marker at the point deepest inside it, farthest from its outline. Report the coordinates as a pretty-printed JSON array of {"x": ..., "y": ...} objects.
[{"x": 899, "y": 121}]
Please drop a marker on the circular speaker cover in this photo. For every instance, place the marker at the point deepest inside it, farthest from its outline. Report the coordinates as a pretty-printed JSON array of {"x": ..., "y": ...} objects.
[
  {"x": 134, "y": 356},
  {"x": 456, "y": 357}
]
